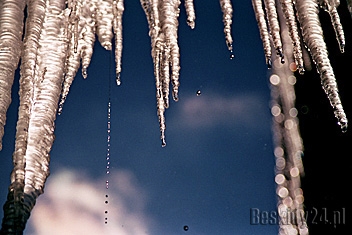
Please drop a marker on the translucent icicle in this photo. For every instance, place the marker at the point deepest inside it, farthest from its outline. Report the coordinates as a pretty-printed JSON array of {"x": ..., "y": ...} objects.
[
  {"x": 159, "y": 93},
  {"x": 274, "y": 27},
  {"x": 287, "y": 8},
  {"x": 191, "y": 15},
  {"x": 307, "y": 11},
  {"x": 11, "y": 26},
  {"x": 104, "y": 18},
  {"x": 169, "y": 24},
  {"x": 226, "y": 8},
  {"x": 263, "y": 29},
  {"x": 330, "y": 6},
  {"x": 13, "y": 207},
  {"x": 117, "y": 25},
  {"x": 88, "y": 34}
]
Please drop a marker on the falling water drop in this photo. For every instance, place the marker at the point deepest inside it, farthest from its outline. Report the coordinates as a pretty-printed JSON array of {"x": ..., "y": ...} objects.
[
  {"x": 232, "y": 56},
  {"x": 84, "y": 73},
  {"x": 199, "y": 92},
  {"x": 185, "y": 228}
]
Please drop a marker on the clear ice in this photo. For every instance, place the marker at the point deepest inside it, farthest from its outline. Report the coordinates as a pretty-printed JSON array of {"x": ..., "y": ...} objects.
[{"x": 59, "y": 37}]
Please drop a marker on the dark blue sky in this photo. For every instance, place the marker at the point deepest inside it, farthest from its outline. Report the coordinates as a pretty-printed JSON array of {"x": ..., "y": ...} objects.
[{"x": 218, "y": 162}]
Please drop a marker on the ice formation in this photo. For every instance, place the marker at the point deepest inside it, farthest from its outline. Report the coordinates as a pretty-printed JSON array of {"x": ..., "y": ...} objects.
[{"x": 59, "y": 36}]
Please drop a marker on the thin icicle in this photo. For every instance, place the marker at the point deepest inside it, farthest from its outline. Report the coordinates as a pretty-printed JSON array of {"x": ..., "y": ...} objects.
[
  {"x": 226, "y": 8},
  {"x": 191, "y": 15},
  {"x": 274, "y": 27},
  {"x": 169, "y": 24},
  {"x": 288, "y": 10},
  {"x": 330, "y": 6},
  {"x": 11, "y": 25},
  {"x": 263, "y": 29},
  {"x": 118, "y": 9},
  {"x": 312, "y": 32},
  {"x": 88, "y": 35}
]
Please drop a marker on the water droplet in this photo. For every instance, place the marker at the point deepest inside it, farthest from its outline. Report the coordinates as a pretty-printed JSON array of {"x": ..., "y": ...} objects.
[
  {"x": 185, "y": 228},
  {"x": 106, "y": 202},
  {"x": 106, "y": 195},
  {"x": 106, "y": 222},
  {"x": 118, "y": 79},
  {"x": 84, "y": 73},
  {"x": 232, "y": 56},
  {"x": 163, "y": 142},
  {"x": 106, "y": 212},
  {"x": 199, "y": 92}
]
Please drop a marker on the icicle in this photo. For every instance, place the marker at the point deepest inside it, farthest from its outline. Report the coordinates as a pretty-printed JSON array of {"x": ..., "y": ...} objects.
[
  {"x": 226, "y": 8},
  {"x": 191, "y": 16},
  {"x": 117, "y": 25},
  {"x": 11, "y": 25},
  {"x": 13, "y": 208},
  {"x": 330, "y": 6},
  {"x": 169, "y": 24},
  {"x": 263, "y": 30},
  {"x": 88, "y": 35},
  {"x": 287, "y": 7},
  {"x": 307, "y": 11},
  {"x": 274, "y": 27},
  {"x": 104, "y": 18}
]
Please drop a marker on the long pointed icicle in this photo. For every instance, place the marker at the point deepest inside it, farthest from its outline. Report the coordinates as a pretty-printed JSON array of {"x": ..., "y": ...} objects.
[
  {"x": 263, "y": 29},
  {"x": 10, "y": 51},
  {"x": 13, "y": 220},
  {"x": 307, "y": 11},
  {"x": 330, "y": 6},
  {"x": 227, "y": 10},
  {"x": 274, "y": 27},
  {"x": 287, "y": 8},
  {"x": 118, "y": 9}
]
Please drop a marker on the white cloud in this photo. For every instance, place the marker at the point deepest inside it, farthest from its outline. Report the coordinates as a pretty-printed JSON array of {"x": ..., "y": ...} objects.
[
  {"x": 213, "y": 109},
  {"x": 74, "y": 204}
]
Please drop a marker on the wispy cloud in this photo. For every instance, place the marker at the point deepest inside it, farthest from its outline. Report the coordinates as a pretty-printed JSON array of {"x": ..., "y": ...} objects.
[
  {"x": 215, "y": 109},
  {"x": 74, "y": 204}
]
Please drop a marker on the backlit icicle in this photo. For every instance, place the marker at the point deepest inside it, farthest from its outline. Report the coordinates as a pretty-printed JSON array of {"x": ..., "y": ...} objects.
[
  {"x": 11, "y": 25},
  {"x": 118, "y": 9},
  {"x": 227, "y": 10},
  {"x": 307, "y": 11},
  {"x": 191, "y": 15},
  {"x": 263, "y": 29},
  {"x": 288, "y": 10},
  {"x": 274, "y": 27},
  {"x": 330, "y": 6}
]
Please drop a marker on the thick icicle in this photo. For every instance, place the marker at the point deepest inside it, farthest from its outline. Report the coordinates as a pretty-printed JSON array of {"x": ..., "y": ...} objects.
[
  {"x": 14, "y": 218},
  {"x": 274, "y": 27},
  {"x": 31, "y": 157},
  {"x": 227, "y": 10},
  {"x": 11, "y": 26},
  {"x": 104, "y": 18},
  {"x": 191, "y": 15},
  {"x": 118, "y": 9},
  {"x": 307, "y": 11},
  {"x": 263, "y": 29},
  {"x": 287, "y": 8}
]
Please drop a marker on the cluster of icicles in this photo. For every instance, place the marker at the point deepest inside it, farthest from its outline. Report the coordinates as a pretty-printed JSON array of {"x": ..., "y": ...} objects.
[{"x": 58, "y": 39}]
